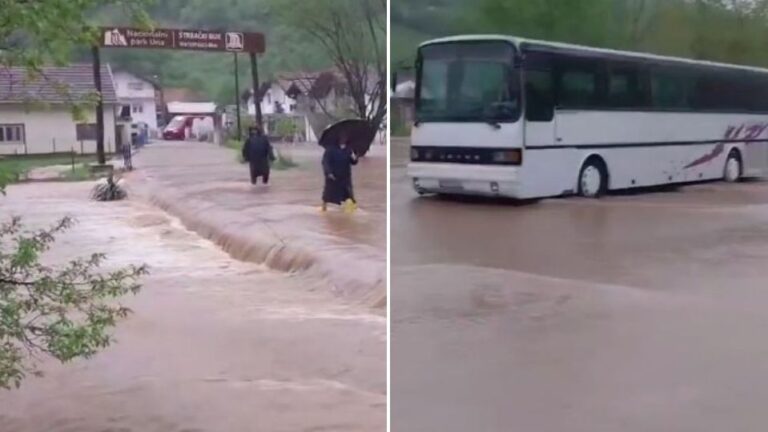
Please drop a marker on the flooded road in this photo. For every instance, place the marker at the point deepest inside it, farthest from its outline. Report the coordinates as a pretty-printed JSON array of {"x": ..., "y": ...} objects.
[
  {"x": 280, "y": 224},
  {"x": 640, "y": 312},
  {"x": 213, "y": 345}
]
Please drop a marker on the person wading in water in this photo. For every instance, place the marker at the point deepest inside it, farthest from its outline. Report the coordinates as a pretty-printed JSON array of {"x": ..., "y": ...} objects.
[
  {"x": 337, "y": 167},
  {"x": 257, "y": 151}
]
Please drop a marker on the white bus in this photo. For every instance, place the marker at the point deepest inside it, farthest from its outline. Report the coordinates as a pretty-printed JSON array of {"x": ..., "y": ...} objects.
[{"x": 505, "y": 116}]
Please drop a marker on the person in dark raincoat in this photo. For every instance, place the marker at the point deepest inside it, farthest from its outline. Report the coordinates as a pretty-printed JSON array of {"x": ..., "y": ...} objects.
[
  {"x": 337, "y": 167},
  {"x": 127, "y": 157},
  {"x": 257, "y": 151}
]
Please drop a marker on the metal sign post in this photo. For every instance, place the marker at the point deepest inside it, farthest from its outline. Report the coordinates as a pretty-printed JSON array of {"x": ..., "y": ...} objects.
[
  {"x": 237, "y": 100},
  {"x": 256, "y": 90},
  {"x": 176, "y": 39},
  {"x": 102, "y": 158}
]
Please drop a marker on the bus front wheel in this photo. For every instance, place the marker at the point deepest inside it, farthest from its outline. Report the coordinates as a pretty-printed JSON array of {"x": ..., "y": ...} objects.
[
  {"x": 593, "y": 179},
  {"x": 732, "y": 172}
]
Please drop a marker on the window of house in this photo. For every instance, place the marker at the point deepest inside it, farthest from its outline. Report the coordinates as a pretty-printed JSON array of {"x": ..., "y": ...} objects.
[
  {"x": 137, "y": 109},
  {"x": 12, "y": 134},
  {"x": 86, "y": 131}
]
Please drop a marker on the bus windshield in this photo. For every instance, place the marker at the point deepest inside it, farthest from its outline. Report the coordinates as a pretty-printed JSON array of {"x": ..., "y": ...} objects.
[{"x": 467, "y": 81}]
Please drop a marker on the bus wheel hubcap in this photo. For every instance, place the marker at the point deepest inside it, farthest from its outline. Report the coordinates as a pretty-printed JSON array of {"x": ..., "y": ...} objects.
[
  {"x": 732, "y": 169},
  {"x": 591, "y": 180}
]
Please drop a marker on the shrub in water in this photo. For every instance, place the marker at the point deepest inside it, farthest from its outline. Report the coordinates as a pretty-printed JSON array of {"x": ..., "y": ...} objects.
[{"x": 108, "y": 191}]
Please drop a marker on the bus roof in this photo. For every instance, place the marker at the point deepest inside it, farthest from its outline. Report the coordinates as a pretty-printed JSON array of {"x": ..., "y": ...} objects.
[{"x": 517, "y": 41}]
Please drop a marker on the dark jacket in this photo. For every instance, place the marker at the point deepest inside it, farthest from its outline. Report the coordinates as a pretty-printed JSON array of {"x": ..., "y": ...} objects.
[
  {"x": 258, "y": 152},
  {"x": 337, "y": 167}
]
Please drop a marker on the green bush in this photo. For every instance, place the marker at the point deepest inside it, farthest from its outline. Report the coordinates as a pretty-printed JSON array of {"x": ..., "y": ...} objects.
[
  {"x": 283, "y": 162},
  {"x": 66, "y": 312}
]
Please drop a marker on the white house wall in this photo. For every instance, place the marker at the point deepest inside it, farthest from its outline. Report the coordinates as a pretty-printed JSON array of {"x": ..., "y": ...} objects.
[
  {"x": 274, "y": 94},
  {"x": 134, "y": 91},
  {"x": 53, "y": 130},
  {"x": 147, "y": 114},
  {"x": 124, "y": 81}
]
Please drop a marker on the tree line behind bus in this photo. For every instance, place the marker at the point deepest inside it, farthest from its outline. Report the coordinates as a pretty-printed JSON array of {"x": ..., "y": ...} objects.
[{"x": 730, "y": 31}]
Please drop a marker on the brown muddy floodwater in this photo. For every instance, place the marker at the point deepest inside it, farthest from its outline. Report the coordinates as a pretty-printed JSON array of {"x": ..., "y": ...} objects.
[
  {"x": 633, "y": 313},
  {"x": 213, "y": 345},
  {"x": 279, "y": 224}
]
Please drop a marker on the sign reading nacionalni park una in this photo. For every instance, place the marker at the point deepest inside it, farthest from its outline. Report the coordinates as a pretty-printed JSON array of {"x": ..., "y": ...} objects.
[{"x": 180, "y": 39}]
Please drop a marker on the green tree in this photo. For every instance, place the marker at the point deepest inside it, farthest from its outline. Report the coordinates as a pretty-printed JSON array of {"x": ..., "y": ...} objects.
[
  {"x": 35, "y": 33},
  {"x": 212, "y": 73},
  {"x": 66, "y": 312},
  {"x": 585, "y": 22},
  {"x": 352, "y": 34},
  {"x": 734, "y": 31}
]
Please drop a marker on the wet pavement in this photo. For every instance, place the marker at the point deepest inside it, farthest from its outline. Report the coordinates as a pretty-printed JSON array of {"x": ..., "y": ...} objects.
[
  {"x": 636, "y": 312},
  {"x": 214, "y": 344},
  {"x": 279, "y": 224}
]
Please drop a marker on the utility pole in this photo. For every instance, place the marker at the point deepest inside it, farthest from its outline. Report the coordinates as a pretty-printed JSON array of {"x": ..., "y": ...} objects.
[
  {"x": 256, "y": 86},
  {"x": 99, "y": 107}
]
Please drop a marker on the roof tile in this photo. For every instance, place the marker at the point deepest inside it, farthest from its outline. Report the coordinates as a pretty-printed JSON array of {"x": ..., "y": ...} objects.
[{"x": 54, "y": 85}]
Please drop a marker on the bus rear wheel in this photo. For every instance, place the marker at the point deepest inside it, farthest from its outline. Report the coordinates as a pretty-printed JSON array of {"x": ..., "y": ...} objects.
[
  {"x": 733, "y": 169},
  {"x": 593, "y": 179}
]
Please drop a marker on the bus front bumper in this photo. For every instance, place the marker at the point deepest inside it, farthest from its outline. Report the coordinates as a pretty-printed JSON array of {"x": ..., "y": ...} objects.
[{"x": 465, "y": 179}]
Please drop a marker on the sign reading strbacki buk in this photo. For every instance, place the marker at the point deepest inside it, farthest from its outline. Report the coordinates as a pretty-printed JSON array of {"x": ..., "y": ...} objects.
[{"x": 182, "y": 39}]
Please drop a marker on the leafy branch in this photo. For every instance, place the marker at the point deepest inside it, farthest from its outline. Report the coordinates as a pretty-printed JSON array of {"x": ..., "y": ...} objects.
[{"x": 65, "y": 313}]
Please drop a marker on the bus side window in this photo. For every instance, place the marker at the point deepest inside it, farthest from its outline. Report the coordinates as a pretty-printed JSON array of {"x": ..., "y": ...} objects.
[
  {"x": 671, "y": 90},
  {"x": 580, "y": 85},
  {"x": 539, "y": 95},
  {"x": 759, "y": 94},
  {"x": 626, "y": 87}
]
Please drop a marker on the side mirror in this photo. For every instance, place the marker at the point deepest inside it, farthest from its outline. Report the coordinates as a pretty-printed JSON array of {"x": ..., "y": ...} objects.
[{"x": 393, "y": 82}]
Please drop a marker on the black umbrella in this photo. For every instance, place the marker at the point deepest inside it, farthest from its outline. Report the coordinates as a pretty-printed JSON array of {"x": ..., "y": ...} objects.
[{"x": 359, "y": 135}]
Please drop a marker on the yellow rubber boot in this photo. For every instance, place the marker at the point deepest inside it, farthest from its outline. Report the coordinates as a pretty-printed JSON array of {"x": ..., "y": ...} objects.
[{"x": 349, "y": 206}]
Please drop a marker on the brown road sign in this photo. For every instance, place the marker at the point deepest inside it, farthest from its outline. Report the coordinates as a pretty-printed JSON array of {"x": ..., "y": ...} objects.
[{"x": 182, "y": 39}]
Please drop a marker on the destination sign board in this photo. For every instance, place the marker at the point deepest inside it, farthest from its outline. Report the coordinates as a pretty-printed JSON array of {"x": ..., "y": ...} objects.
[{"x": 182, "y": 39}]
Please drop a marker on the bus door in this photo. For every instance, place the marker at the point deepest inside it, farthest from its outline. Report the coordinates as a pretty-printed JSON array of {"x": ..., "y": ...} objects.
[{"x": 540, "y": 101}]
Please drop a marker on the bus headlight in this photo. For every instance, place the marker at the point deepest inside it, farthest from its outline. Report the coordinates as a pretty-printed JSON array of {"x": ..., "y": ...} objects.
[{"x": 511, "y": 157}]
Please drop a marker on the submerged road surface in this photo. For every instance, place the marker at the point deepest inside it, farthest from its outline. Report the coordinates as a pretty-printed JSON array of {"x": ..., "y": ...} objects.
[
  {"x": 279, "y": 224},
  {"x": 632, "y": 313},
  {"x": 213, "y": 345}
]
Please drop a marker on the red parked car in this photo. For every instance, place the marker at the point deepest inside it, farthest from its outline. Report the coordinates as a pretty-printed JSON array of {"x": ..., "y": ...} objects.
[{"x": 178, "y": 128}]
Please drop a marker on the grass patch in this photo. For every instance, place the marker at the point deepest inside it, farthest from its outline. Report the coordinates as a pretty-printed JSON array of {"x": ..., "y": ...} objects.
[
  {"x": 237, "y": 146},
  {"x": 234, "y": 144},
  {"x": 401, "y": 130},
  {"x": 282, "y": 162},
  {"x": 80, "y": 173},
  {"x": 15, "y": 168}
]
